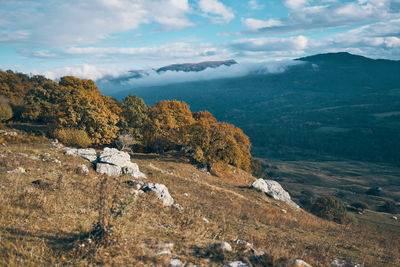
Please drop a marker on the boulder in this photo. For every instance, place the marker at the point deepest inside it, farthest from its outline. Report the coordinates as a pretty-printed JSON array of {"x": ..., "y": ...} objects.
[
  {"x": 114, "y": 156},
  {"x": 132, "y": 169},
  {"x": 110, "y": 170},
  {"x": 274, "y": 190},
  {"x": 82, "y": 169},
  {"x": 161, "y": 192},
  {"x": 89, "y": 154}
]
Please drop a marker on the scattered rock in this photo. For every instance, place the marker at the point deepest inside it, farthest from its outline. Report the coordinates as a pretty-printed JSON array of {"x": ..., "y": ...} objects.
[
  {"x": 238, "y": 264},
  {"x": 224, "y": 246},
  {"x": 205, "y": 220},
  {"x": 393, "y": 218},
  {"x": 257, "y": 253},
  {"x": 161, "y": 192},
  {"x": 195, "y": 176},
  {"x": 37, "y": 182},
  {"x": 186, "y": 194},
  {"x": 56, "y": 161},
  {"x": 17, "y": 170},
  {"x": 344, "y": 263},
  {"x": 283, "y": 211},
  {"x": 34, "y": 158},
  {"x": 2, "y": 156},
  {"x": 178, "y": 206},
  {"x": 22, "y": 155},
  {"x": 164, "y": 252},
  {"x": 4, "y": 132},
  {"x": 242, "y": 242},
  {"x": 300, "y": 263},
  {"x": 176, "y": 263},
  {"x": 360, "y": 213},
  {"x": 44, "y": 155},
  {"x": 275, "y": 190}
]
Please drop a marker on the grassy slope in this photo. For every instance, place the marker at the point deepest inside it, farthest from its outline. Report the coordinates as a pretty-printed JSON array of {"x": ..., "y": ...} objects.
[{"x": 39, "y": 225}]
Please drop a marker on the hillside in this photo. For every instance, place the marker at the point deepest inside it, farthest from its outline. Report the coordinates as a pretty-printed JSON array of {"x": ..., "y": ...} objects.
[
  {"x": 334, "y": 105},
  {"x": 48, "y": 205}
]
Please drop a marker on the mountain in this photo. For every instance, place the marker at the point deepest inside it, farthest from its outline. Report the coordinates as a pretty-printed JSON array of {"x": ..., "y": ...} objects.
[
  {"x": 327, "y": 105},
  {"x": 188, "y": 67}
]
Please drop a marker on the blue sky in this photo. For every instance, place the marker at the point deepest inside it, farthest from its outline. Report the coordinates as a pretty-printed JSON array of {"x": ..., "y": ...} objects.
[{"x": 94, "y": 38}]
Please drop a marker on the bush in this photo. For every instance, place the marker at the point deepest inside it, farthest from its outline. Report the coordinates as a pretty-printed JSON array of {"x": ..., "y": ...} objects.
[
  {"x": 5, "y": 112},
  {"x": 360, "y": 206},
  {"x": 330, "y": 208},
  {"x": 389, "y": 207},
  {"x": 374, "y": 191},
  {"x": 73, "y": 137},
  {"x": 125, "y": 142}
]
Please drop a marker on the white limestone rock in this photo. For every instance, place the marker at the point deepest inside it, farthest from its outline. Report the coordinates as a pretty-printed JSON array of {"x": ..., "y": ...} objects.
[
  {"x": 274, "y": 190},
  {"x": 161, "y": 192},
  {"x": 110, "y": 170},
  {"x": 89, "y": 154}
]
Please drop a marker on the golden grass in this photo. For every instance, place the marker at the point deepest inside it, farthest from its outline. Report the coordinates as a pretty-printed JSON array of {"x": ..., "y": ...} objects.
[{"x": 45, "y": 224}]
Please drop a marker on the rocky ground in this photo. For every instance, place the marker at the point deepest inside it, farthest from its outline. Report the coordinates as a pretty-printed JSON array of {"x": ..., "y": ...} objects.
[{"x": 170, "y": 213}]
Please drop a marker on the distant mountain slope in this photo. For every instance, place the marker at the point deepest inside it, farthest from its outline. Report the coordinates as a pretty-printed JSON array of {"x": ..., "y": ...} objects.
[
  {"x": 336, "y": 104},
  {"x": 187, "y": 67}
]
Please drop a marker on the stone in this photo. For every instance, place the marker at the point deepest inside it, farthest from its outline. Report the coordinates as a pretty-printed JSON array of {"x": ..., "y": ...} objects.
[
  {"x": 161, "y": 192},
  {"x": 114, "y": 156},
  {"x": 44, "y": 155},
  {"x": 393, "y": 218},
  {"x": 133, "y": 170},
  {"x": 344, "y": 263},
  {"x": 89, "y": 154},
  {"x": 283, "y": 211},
  {"x": 242, "y": 242},
  {"x": 238, "y": 264},
  {"x": 178, "y": 206},
  {"x": 300, "y": 263},
  {"x": 110, "y": 170},
  {"x": 164, "y": 252},
  {"x": 176, "y": 263},
  {"x": 17, "y": 170},
  {"x": 205, "y": 220},
  {"x": 186, "y": 194},
  {"x": 274, "y": 190},
  {"x": 167, "y": 245},
  {"x": 224, "y": 246},
  {"x": 22, "y": 155}
]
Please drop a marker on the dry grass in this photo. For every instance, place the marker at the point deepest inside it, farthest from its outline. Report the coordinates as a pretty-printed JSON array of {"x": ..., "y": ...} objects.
[{"x": 47, "y": 222}]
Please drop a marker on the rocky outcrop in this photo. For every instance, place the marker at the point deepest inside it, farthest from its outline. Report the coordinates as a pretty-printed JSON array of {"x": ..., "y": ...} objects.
[
  {"x": 300, "y": 263},
  {"x": 161, "y": 191},
  {"x": 89, "y": 154},
  {"x": 110, "y": 161},
  {"x": 224, "y": 246},
  {"x": 274, "y": 190}
]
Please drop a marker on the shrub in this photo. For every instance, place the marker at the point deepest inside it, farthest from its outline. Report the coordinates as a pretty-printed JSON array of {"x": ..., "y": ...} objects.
[
  {"x": 360, "y": 205},
  {"x": 389, "y": 207},
  {"x": 73, "y": 137},
  {"x": 125, "y": 142},
  {"x": 374, "y": 191},
  {"x": 330, "y": 208},
  {"x": 5, "y": 112}
]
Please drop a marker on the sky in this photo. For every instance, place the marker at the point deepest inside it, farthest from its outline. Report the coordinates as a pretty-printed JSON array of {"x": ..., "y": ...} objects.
[{"x": 97, "y": 38}]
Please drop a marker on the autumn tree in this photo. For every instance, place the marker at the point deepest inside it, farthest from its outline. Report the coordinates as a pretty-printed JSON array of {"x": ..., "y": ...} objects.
[
  {"x": 134, "y": 119},
  {"x": 74, "y": 104},
  {"x": 169, "y": 121}
]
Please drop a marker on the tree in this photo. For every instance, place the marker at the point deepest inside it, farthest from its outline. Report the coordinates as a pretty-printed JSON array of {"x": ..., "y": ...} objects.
[
  {"x": 169, "y": 121},
  {"x": 74, "y": 104},
  {"x": 134, "y": 118},
  {"x": 5, "y": 111},
  {"x": 360, "y": 205},
  {"x": 330, "y": 208}
]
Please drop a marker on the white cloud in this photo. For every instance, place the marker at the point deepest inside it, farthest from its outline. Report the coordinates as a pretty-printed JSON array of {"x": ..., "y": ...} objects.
[
  {"x": 222, "y": 14},
  {"x": 332, "y": 14},
  {"x": 254, "y": 5},
  {"x": 290, "y": 44},
  {"x": 75, "y": 22},
  {"x": 255, "y": 24},
  {"x": 295, "y": 4},
  {"x": 84, "y": 71}
]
